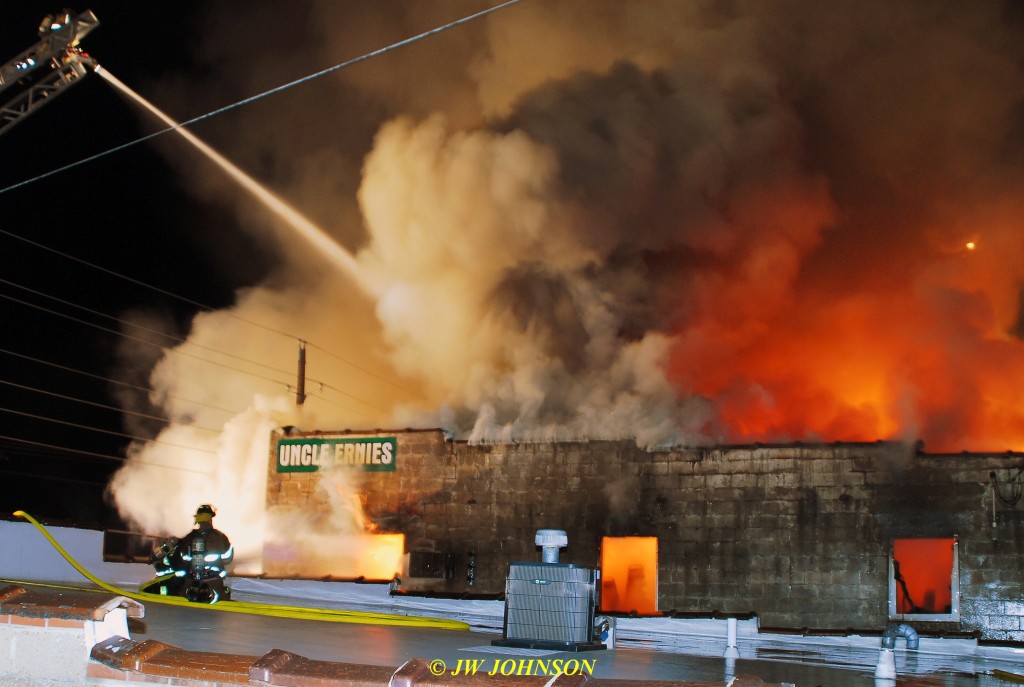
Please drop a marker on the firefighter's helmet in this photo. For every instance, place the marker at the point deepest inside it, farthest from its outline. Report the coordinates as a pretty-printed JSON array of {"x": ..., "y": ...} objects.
[{"x": 205, "y": 513}]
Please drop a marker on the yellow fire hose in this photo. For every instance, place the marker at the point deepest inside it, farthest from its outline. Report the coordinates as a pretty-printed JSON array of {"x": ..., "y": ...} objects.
[
  {"x": 275, "y": 610},
  {"x": 1009, "y": 677}
]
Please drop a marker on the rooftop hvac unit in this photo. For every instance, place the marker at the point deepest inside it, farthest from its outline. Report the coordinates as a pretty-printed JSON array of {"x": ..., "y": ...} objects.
[{"x": 550, "y": 604}]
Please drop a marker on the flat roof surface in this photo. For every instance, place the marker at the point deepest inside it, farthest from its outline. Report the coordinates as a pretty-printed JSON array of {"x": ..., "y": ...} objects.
[
  {"x": 641, "y": 655},
  {"x": 646, "y": 648}
]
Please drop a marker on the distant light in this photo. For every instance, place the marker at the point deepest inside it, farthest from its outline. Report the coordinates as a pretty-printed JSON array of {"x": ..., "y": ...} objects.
[{"x": 970, "y": 245}]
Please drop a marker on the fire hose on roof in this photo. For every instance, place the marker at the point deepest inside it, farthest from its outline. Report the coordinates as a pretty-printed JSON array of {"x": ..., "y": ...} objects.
[{"x": 279, "y": 611}]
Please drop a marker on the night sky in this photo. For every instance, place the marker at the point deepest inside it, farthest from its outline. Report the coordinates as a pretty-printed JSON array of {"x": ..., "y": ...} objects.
[
  {"x": 157, "y": 214},
  {"x": 127, "y": 213},
  {"x": 680, "y": 223}
]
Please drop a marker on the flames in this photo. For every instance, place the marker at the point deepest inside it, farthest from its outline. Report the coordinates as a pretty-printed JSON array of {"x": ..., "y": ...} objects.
[
  {"x": 335, "y": 555},
  {"x": 673, "y": 226},
  {"x": 932, "y": 356},
  {"x": 629, "y": 574},
  {"x": 924, "y": 570}
]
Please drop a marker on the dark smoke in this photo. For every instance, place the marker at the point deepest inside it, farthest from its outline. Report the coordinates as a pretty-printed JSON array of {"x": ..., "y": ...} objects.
[{"x": 673, "y": 222}]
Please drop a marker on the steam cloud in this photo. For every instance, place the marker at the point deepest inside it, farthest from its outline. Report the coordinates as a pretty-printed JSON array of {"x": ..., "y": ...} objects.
[{"x": 674, "y": 222}]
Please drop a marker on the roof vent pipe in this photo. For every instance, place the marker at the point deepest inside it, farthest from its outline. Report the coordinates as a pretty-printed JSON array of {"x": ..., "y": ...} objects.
[
  {"x": 885, "y": 671},
  {"x": 550, "y": 541},
  {"x": 895, "y": 630}
]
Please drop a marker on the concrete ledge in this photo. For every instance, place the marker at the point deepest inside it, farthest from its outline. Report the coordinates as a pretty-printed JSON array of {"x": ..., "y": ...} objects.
[
  {"x": 151, "y": 659},
  {"x": 155, "y": 662},
  {"x": 51, "y": 639},
  {"x": 287, "y": 669},
  {"x": 21, "y": 603},
  {"x": 45, "y": 638}
]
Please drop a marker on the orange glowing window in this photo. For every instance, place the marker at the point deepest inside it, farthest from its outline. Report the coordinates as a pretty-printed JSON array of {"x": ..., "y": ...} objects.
[
  {"x": 629, "y": 575},
  {"x": 923, "y": 579}
]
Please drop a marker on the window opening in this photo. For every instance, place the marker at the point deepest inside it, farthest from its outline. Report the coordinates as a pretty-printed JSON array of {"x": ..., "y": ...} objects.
[
  {"x": 629, "y": 575},
  {"x": 924, "y": 579}
]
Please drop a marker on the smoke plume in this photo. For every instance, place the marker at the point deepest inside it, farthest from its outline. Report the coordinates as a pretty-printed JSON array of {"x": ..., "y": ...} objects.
[{"x": 675, "y": 222}]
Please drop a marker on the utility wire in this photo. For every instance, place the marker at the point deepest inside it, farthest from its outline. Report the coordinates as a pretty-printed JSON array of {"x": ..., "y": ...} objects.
[
  {"x": 93, "y": 454},
  {"x": 264, "y": 94},
  {"x": 103, "y": 431},
  {"x": 1016, "y": 489},
  {"x": 157, "y": 289},
  {"x": 99, "y": 405},
  {"x": 118, "y": 382},
  {"x": 322, "y": 399},
  {"x": 53, "y": 478},
  {"x": 173, "y": 337},
  {"x": 147, "y": 343},
  {"x": 361, "y": 369},
  {"x": 96, "y": 429},
  {"x": 352, "y": 396},
  {"x": 49, "y": 419},
  {"x": 188, "y": 123},
  {"x": 178, "y": 340},
  {"x": 197, "y": 304}
]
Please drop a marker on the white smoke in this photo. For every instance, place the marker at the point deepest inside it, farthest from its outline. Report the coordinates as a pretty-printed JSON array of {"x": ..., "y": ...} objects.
[
  {"x": 480, "y": 277},
  {"x": 224, "y": 391},
  {"x": 604, "y": 219}
]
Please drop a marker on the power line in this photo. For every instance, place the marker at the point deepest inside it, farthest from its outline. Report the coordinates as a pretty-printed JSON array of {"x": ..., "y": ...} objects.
[
  {"x": 193, "y": 121},
  {"x": 207, "y": 405},
  {"x": 150, "y": 343},
  {"x": 99, "y": 405},
  {"x": 118, "y": 382},
  {"x": 264, "y": 94},
  {"x": 102, "y": 431},
  {"x": 322, "y": 399},
  {"x": 54, "y": 478},
  {"x": 102, "y": 456},
  {"x": 201, "y": 306},
  {"x": 360, "y": 368},
  {"x": 352, "y": 396},
  {"x": 137, "y": 339},
  {"x": 174, "y": 338},
  {"x": 156, "y": 289}
]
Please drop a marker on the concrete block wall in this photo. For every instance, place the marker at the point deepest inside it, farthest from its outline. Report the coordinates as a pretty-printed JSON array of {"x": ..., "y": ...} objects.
[
  {"x": 780, "y": 532},
  {"x": 798, "y": 534},
  {"x": 37, "y": 650},
  {"x": 45, "y": 638},
  {"x": 960, "y": 490}
]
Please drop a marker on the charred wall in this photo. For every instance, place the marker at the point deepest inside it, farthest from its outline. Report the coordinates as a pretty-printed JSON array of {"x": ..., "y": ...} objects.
[{"x": 798, "y": 534}]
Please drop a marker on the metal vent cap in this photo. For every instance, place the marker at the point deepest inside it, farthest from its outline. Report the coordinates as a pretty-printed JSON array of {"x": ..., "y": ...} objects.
[{"x": 552, "y": 538}]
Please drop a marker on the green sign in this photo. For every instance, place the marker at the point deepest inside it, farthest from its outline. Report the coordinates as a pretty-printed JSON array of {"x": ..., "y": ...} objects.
[{"x": 309, "y": 455}]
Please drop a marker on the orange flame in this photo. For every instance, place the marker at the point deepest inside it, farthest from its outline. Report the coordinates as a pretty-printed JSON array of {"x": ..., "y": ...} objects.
[
  {"x": 353, "y": 556},
  {"x": 933, "y": 355},
  {"x": 925, "y": 573},
  {"x": 381, "y": 556},
  {"x": 629, "y": 574}
]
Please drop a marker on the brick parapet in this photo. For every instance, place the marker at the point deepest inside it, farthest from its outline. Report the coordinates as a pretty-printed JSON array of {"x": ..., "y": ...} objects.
[
  {"x": 41, "y": 639},
  {"x": 45, "y": 637},
  {"x": 158, "y": 663},
  {"x": 821, "y": 516}
]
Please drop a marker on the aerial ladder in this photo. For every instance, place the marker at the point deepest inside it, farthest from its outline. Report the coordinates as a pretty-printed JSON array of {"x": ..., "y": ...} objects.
[{"x": 49, "y": 67}]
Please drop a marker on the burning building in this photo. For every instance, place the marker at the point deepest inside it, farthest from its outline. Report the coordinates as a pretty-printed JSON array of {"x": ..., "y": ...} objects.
[
  {"x": 822, "y": 536},
  {"x": 696, "y": 226}
]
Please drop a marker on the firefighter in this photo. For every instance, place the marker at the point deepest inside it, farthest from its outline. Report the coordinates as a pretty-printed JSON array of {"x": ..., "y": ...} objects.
[{"x": 197, "y": 562}]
